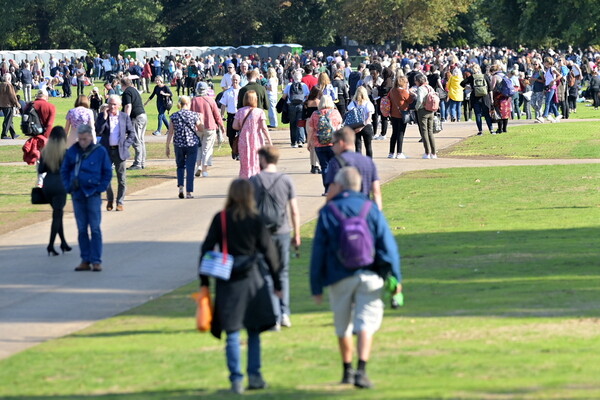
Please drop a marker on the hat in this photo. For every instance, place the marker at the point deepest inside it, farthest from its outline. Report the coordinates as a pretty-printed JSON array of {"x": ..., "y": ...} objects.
[
  {"x": 201, "y": 88},
  {"x": 95, "y": 89}
]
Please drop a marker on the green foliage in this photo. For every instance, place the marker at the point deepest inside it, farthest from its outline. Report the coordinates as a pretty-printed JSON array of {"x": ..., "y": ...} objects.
[{"x": 415, "y": 21}]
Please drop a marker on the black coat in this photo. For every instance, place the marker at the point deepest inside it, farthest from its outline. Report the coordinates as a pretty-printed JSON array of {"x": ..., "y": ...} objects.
[{"x": 244, "y": 301}]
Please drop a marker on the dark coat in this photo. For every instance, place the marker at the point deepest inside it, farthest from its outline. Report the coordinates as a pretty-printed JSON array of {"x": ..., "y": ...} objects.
[
  {"x": 126, "y": 137},
  {"x": 244, "y": 301}
]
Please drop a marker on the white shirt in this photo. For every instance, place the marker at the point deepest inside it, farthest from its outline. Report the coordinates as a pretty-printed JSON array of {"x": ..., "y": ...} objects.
[
  {"x": 226, "y": 81},
  {"x": 115, "y": 133},
  {"x": 368, "y": 109},
  {"x": 230, "y": 99}
]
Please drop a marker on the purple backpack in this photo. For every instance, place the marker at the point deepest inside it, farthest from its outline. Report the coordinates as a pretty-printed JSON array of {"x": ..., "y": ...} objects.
[{"x": 356, "y": 247}]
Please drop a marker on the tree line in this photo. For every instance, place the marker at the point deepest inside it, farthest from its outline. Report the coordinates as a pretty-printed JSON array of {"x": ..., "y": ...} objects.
[{"x": 109, "y": 26}]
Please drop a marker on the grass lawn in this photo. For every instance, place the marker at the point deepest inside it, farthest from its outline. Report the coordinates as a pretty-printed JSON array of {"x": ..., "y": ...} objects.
[
  {"x": 502, "y": 302},
  {"x": 562, "y": 140}
]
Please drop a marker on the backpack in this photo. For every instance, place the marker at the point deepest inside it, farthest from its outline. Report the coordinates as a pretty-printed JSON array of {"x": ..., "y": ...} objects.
[
  {"x": 356, "y": 247},
  {"x": 353, "y": 82},
  {"x": 432, "y": 100},
  {"x": 296, "y": 93},
  {"x": 270, "y": 210},
  {"x": 385, "y": 106},
  {"x": 571, "y": 80},
  {"x": 31, "y": 124},
  {"x": 479, "y": 85},
  {"x": 505, "y": 87},
  {"x": 355, "y": 118},
  {"x": 324, "y": 128}
]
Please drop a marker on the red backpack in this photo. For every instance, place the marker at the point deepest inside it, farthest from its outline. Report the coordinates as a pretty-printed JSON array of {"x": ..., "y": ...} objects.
[
  {"x": 385, "y": 106},
  {"x": 432, "y": 100}
]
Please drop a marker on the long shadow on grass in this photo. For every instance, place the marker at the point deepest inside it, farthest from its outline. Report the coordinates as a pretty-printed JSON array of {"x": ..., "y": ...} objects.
[{"x": 193, "y": 395}]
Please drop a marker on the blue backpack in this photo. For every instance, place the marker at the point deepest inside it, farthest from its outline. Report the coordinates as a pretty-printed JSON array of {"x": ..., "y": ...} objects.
[
  {"x": 356, "y": 247},
  {"x": 505, "y": 87},
  {"x": 355, "y": 118}
]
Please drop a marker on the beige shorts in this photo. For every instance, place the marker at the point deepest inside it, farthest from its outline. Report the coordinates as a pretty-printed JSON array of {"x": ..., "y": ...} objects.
[{"x": 356, "y": 303}]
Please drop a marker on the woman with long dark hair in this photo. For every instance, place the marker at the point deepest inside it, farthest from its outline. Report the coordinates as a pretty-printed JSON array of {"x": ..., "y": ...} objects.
[
  {"x": 243, "y": 301},
  {"x": 54, "y": 190}
]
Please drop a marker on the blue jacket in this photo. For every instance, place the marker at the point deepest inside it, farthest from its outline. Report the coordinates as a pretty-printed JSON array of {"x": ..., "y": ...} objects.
[
  {"x": 325, "y": 266},
  {"x": 94, "y": 174}
]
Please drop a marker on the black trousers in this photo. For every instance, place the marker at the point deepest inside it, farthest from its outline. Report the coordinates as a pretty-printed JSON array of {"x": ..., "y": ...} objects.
[{"x": 7, "y": 125}]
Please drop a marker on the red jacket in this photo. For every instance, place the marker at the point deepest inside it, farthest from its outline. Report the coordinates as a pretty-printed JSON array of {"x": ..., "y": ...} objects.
[
  {"x": 47, "y": 112},
  {"x": 32, "y": 149}
]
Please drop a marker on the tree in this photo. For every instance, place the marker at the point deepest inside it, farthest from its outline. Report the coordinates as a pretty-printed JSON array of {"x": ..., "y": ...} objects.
[{"x": 415, "y": 21}]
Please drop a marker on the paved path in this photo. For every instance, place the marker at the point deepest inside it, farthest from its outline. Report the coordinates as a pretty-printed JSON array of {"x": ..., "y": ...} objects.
[{"x": 152, "y": 247}]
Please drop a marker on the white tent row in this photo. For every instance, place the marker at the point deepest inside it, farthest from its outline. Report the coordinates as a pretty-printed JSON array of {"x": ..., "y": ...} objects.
[
  {"x": 264, "y": 51},
  {"x": 20, "y": 55}
]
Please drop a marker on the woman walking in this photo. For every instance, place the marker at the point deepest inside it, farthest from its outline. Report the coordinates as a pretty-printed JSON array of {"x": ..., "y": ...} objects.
[
  {"x": 272, "y": 95},
  {"x": 53, "y": 154},
  {"x": 310, "y": 106},
  {"x": 361, "y": 100},
  {"x": 253, "y": 134},
  {"x": 162, "y": 93},
  {"x": 243, "y": 301},
  {"x": 182, "y": 131},
  {"x": 400, "y": 99},
  {"x": 81, "y": 114},
  {"x": 324, "y": 151}
]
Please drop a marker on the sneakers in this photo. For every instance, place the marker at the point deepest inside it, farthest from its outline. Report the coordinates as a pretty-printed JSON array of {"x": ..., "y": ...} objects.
[
  {"x": 479, "y": 133},
  {"x": 433, "y": 156},
  {"x": 379, "y": 138},
  {"x": 426, "y": 156},
  {"x": 551, "y": 119},
  {"x": 391, "y": 155},
  {"x": 285, "y": 321},
  {"x": 134, "y": 167},
  {"x": 348, "y": 377},
  {"x": 539, "y": 120},
  {"x": 237, "y": 387},
  {"x": 205, "y": 174},
  {"x": 559, "y": 118},
  {"x": 400, "y": 156},
  {"x": 156, "y": 133},
  {"x": 181, "y": 192},
  {"x": 362, "y": 381},
  {"x": 256, "y": 382}
]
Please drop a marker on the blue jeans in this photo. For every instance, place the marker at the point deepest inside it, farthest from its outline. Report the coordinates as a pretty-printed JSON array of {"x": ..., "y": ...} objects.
[
  {"x": 162, "y": 118},
  {"x": 324, "y": 154},
  {"x": 296, "y": 134},
  {"x": 454, "y": 109},
  {"x": 185, "y": 158},
  {"x": 481, "y": 110},
  {"x": 233, "y": 355},
  {"x": 550, "y": 104},
  {"x": 88, "y": 214},
  {"x": 443, "y": 111}
]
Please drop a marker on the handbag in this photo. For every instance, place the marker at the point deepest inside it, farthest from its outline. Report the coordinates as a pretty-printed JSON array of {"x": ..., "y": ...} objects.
[
  {"x": 437, "y": 123},
  {"x": 235, "y": 150},
  {"x": 406, "y": 118},
  {"x": 204, "y": 310},
  {"x": 38, "y": 196},
  {"x": 354, "y": 118},
  {"x": 218, "y": 264}
]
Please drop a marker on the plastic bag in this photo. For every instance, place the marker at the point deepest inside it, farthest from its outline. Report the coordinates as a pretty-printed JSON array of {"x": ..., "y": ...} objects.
[{"x": 204, "y": 310}]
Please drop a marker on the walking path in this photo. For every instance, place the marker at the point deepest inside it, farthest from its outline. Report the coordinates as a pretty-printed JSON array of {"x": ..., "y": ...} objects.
[{"x": 153, "y": 246}]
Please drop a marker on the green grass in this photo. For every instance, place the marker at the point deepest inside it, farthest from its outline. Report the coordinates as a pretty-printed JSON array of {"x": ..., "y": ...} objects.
[
  {"x": 563, "y": 140},
  {"x": 502, "y": 302}
]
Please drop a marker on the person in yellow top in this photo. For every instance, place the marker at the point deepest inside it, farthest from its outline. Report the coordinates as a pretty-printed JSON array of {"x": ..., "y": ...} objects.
[{"x": 455, "y": 94}]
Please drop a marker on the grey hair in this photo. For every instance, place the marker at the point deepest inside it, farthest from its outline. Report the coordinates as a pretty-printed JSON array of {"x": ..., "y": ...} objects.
[
  {"x": 420, "y": 78},
  {"x": 85, "y": 128},
  {"x": 7, "y": 77},
  {"x": 349, "y": 179},
  {"x": 297, "y": 76},
  {"x": 116, "y": 98}
]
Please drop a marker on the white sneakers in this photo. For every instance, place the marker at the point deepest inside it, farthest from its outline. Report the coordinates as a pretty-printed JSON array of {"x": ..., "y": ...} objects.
[
  {"x": 429, "y": 156},
  {"x": 391, "y": 155},
  {"x": 400, "y": 156},
  {"x": 539, "y": 120},
  {"x": 426, "y": 156}
]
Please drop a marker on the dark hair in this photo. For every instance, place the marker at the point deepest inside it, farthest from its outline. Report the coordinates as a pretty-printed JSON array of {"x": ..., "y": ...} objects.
[
  {"x": 270, "y": 154},
  {"x": 375, "y": 67},
  {"x": 315, "y": 94},
  {"x": 240, "y": 200}
]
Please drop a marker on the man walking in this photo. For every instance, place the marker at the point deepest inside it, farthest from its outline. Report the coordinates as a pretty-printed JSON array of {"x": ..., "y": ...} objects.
[
  {"x": 274, "y": 191},
  {"x": 343, "y": 147},
  {"x": 261, "y": 92},
  {"x": 353, "y": 270},
  {"x": 134, "y": 108},
  {"x": 8, "y": 100},
  {"x": 118, "y": 135}
]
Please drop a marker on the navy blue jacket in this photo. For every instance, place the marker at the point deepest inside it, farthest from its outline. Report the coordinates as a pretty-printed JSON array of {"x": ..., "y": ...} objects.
[{"x": 94, "y": 174}]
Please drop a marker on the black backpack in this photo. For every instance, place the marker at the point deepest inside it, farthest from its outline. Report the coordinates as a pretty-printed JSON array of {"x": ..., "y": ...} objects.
[
  {"x": 31, "y": 125},
  {"x": 296, "y": 93},
  {"x": 272, "y": 213}
]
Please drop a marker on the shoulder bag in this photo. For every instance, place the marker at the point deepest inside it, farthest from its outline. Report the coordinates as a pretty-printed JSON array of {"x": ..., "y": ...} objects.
[
  {"x": 235, "y": 146},
  {"x": 218, "y": 264}
]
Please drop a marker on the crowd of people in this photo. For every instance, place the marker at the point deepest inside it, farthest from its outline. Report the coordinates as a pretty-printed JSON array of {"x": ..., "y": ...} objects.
[{"x": 332, "y": 109}]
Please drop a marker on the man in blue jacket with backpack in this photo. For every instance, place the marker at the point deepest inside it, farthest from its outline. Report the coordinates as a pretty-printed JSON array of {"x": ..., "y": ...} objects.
[{"x": 353, "y": 252}]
